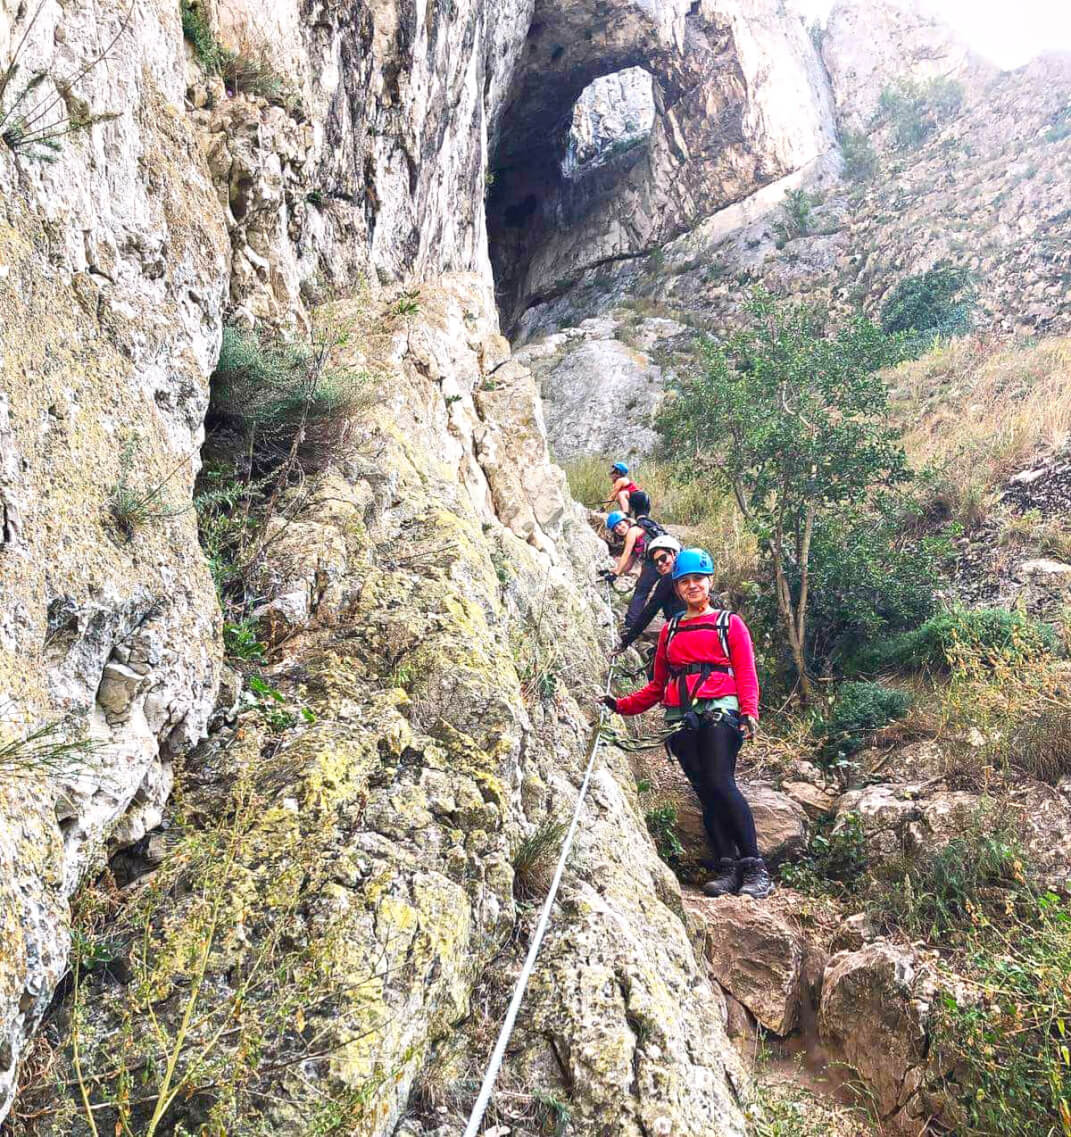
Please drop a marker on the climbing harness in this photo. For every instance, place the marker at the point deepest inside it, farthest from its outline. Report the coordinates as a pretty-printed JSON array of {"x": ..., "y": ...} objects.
[
  {"x": 478, "y": 1110},
  {"x": 686, "y": 694},
  {"x": 691, "y": 721}
]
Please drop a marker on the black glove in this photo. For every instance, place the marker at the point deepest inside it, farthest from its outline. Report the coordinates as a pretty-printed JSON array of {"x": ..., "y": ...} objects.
[
  {"x": 609, "y": 702},
  {"x": 608, "y": 575}
]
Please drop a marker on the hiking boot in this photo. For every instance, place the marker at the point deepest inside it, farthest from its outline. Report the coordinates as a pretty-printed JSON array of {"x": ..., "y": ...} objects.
[
  {"x": 756, "y": 880},
  {"x": 727, "y": 880}
]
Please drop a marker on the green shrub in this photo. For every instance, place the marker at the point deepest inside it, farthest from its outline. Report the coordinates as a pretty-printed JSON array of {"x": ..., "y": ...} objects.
[
  {"x": 962, "y": 636},
  {"x": 662, "y": 825},
  {"x": 860, "y": 158},
  {"x": 250, "y": 69},
  {"x": 937, "y": 302},
  {"x": 198, "y": 32},
  {"x": 859, "y": 709},
  {"x": 836, "y": 859},
  {"x": 914, "y": 109},
  {"x": 1007, "y": 1039},
  {"x": 242, "y": 641},
  {"x": 272, "y": 392},
  {"x": 868, "y": 581},
  {"x": 1061, "y": 126},
  {"x": 937, "y": 893},
  {"x": 796, "y": 215}
]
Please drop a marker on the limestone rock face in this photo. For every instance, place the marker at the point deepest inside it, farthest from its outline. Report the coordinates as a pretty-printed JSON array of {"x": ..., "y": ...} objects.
[
  {"x": 388, "y": 821},
  {"x": 614, "y": 114},
  {"x": 373, "y": 157},
  {"x": 867, "y": 46},
  {"x": 114, "y": 267},
  {"x": 741, "y": 99},
  {"x": 592, "y": 395}
]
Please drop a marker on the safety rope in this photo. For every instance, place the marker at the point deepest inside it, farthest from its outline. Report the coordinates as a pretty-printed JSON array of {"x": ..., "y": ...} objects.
[{"x": 499, "y": 1051}]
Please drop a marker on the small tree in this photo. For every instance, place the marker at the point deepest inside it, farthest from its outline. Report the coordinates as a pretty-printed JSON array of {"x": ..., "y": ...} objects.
[{"x": 792, "y": 418}]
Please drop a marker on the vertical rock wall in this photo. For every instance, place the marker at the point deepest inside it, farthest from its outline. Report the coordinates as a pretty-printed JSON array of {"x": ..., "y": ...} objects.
[{"x": 113, "y": 267}]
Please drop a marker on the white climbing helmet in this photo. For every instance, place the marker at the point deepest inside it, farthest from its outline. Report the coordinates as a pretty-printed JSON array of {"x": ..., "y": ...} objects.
[{"x": 666, "y": 541}]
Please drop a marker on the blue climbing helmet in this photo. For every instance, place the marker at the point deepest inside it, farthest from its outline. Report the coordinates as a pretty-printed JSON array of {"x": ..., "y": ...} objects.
[
  {"x": 619, "y": 468},
  {"x": 693, "y": 562},
  {"x": 615, "y": 517}
]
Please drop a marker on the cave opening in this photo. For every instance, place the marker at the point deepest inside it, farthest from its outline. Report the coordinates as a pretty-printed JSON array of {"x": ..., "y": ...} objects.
[
  {"x": 574, "y": 126},
  {"x": 613, "y": 116}
]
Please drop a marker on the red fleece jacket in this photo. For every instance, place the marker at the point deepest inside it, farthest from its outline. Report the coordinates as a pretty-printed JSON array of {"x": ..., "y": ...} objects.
[{"x": 700, "y": 647}]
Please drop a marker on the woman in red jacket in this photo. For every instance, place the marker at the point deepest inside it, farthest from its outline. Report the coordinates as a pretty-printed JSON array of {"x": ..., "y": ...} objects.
[{"x": 704, "y": 674}]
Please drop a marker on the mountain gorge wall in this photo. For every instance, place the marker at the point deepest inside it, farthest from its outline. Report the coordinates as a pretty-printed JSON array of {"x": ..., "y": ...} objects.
[
  {"x": 741, "y": 99},
  {"x": 177, "y": 202}
]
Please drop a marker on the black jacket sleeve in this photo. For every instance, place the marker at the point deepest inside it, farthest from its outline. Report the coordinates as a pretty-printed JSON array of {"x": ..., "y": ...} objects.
[{"x": 660, "y": 594}]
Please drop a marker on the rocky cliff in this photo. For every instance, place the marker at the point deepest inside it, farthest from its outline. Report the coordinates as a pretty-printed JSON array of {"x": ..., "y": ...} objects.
[
  {"x": 301, "y": 167},
  {"x": 976, "y": 184}
]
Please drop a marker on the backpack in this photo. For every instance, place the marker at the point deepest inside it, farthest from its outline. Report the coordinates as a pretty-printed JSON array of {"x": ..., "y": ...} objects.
[{"x": 649, "y": 526}]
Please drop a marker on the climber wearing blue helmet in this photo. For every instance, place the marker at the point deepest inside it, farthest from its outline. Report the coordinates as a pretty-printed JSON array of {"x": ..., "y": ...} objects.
[
  {"x": 704, "y": 674},
  {"x": 627, "y": 496},
  {"x": 636, "y": 533}
]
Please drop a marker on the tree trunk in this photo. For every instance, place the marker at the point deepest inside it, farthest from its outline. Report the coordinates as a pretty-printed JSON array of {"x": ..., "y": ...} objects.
[{"x": 793, "y": 624}]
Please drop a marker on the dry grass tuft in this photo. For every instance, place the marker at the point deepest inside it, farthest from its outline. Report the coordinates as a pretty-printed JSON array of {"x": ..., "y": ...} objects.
[
  {"x": 976, "y": 411},
  {"x": 536, "y": 856}
]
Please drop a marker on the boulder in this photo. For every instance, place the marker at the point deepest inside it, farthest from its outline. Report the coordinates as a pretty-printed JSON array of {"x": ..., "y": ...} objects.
[
  {"x": 781, "y": 823},
  {"x": 901, "y": 819},
  {"x": 813, "y": 800},
  {"x": 760, "y": 956},
  {"x": 873, "y": 1016}
]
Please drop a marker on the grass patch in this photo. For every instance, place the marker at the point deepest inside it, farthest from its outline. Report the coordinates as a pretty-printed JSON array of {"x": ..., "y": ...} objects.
[
  {"x": 937, "y": 892},
  {"x": 536, "y": 856},
  {"x": 248, "y": 68},
  {"x": 284, "y": 397},
  {"x": 1040, "y": 744},
  {"x": 44, "y": 750},
  {"x": 934, "y": 303},
  {"x": 1047, "y": 537},
  {"x": 975, "y": 412},
  {"x": 860, "y": 159},
  {"x": 913, "y": 110},
  {"x": 1006, "y": 1036}
]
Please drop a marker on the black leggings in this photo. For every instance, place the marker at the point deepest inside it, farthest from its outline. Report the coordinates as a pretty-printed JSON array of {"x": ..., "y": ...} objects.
[
  {"x": 708, "y": 758},
  {"x": 641, "y": 593}
]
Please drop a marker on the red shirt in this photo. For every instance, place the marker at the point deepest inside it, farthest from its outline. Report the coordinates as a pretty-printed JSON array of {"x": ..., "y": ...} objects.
[{"x": 702, "y": 646}]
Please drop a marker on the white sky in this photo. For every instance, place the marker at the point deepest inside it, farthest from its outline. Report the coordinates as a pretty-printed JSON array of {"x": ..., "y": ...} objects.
[{"x": 1007, "y": 32}]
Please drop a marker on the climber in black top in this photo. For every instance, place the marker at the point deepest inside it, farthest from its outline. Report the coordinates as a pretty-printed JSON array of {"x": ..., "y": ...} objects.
[{"x": 662, "y": 553}]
